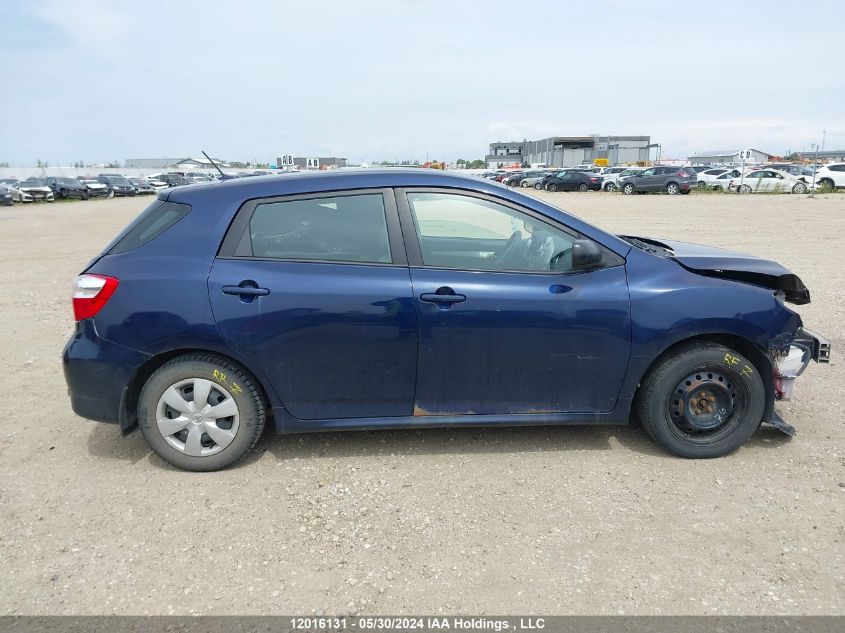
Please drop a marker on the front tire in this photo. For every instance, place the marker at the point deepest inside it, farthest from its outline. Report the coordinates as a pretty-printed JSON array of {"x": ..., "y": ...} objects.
[
  {"x": 610, "y": 187},
  {"x": 745, "y": 189},
  {"x": 201, "y": 412},
  {"x": 702, "y": 400},
  {"x": 826, "y": 183},
  {"x": 538, "y": 186},
  {"x": 552, "y": 187},
  {"x": 628, "y": 189},
  {"x": 799, "y": 187}
]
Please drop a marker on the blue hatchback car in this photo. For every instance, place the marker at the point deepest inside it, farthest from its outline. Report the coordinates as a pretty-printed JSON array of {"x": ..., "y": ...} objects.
[{"x": 417, "y": 298}]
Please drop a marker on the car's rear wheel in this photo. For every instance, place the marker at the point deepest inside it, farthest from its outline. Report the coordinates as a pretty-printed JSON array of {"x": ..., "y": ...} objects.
[
  {"x": 582, "y": 187},
  {"x": 702, "y": 400},
  {"x": 610, "y": 186},
  {"x": 672, "y": 188},
  {"x": 538, "y": 186},
  {"x": 799, "y": 187},
  {"x": 702, "y": 185},
  {"x": 628, "y": 189},
  {"x": 523, "y": 184},
  {"x": 552, "y": 187},
  {"x": 201, "y": 412},
  {"x": 826, "y": 183}
]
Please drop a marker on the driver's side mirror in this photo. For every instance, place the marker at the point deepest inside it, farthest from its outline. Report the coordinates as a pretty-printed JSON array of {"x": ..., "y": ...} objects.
[{"x": 585, "y": 254}]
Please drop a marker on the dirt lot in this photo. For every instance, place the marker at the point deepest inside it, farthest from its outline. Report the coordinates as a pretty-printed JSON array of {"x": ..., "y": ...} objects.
[{"x": 551, "y": 520}]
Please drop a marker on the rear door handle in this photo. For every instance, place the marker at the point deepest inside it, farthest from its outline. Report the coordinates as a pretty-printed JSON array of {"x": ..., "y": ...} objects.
[
  {"x": 245, "y": 291},
  {"x": 430, "y": 297}
]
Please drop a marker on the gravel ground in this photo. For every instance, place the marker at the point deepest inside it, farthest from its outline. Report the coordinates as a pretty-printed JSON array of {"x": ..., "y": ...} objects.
[{"x": 552, "y": 520}]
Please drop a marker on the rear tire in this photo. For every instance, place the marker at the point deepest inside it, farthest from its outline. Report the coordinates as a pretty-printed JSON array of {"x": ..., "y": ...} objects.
[
  {"x": 193, "y": 436},
  {"x": 582, "y": 187},
  {"x": 538, "y": 186},
  {"x": 673, "y": 189},
  {"x": 610, "y": 187},
  {"x": 702, "y": 400},
  {"x": 826, "y": 183}
]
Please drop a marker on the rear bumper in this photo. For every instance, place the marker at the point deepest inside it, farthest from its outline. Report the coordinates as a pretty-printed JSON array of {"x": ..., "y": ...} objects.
[{"x": 97, "y": 373}]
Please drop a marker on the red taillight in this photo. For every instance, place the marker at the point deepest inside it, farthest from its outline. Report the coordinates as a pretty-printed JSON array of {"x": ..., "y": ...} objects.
[
  {"x": 681, "y": 174},
  {"x": 593, "y": 179},
  {"x": 90, "y": 294}
]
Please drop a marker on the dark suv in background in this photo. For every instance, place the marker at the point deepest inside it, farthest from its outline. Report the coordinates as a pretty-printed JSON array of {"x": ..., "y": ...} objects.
[
  {"x": 117, "y": 185},
  {"x": 672, "y": 180},
  {"x": 67, "y": 188}
]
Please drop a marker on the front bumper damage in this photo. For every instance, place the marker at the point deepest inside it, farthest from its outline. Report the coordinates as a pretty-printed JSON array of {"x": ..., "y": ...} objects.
[{"x": 789, "y": 363}]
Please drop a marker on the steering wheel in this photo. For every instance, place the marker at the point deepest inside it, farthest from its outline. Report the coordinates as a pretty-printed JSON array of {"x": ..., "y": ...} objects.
[
  {"x": 564, "y": 256},
  {"x": 510, "y": 246}
]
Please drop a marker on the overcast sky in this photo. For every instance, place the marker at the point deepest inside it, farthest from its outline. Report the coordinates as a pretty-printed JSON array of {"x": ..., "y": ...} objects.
[{"x": 101, "y": 80}]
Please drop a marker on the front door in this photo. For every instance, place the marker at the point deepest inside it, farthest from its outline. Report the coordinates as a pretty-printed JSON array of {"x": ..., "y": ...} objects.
[
  {"x": 315, "y": 291},
  {"x": 505, "y": 325}
]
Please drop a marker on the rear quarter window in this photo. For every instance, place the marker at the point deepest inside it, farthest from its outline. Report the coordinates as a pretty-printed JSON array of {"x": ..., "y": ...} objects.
[{"x": 153, "y": 221}]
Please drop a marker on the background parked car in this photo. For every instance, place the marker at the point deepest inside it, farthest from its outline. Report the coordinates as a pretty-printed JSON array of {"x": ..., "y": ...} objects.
[
  {"x": 769, "y": 181},
  {"x": 672, "y": 180},
  {"x": 5, "y": 195},
  {"x": 169, "y": 180},
  {"x": 117, "y": 185},
  {"x": 831, "y": 176},
  {"x": 32, "y": 190},
  {"x": 95, "y": 189},
  {"x": 142, "y": 186},
  {"x": 574, "y": 181},
  {"x": 535, "y": 180},
  {"x": 612, "y": 181},
  {"x": 713, "y": 178},
  {"x": 67, "y": 188},
  {"x": 512, "y": 179},
  {"x": 722, "y": 182}
]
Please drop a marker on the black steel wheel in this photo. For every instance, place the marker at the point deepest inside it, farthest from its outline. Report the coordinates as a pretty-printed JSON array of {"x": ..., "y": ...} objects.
[{"x": 702, "y": 400}]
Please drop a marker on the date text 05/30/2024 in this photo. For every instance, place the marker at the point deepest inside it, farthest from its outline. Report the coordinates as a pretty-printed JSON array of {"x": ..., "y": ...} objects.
[{"x": 419, "y": 623}]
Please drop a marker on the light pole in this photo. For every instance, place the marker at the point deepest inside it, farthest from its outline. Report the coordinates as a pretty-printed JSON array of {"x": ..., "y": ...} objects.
[{"x": 815, "y": 161}]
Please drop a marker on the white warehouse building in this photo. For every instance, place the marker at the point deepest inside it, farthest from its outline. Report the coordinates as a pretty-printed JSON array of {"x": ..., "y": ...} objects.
[{"x": 728, "y": 157}]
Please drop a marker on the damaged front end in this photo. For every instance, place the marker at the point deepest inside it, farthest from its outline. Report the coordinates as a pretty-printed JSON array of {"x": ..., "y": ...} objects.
[{"x": 789, "y": 362}]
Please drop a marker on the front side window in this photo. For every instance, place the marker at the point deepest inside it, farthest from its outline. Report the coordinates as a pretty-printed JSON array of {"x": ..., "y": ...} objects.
[
  {"x": 457, "y": 231},
  {"x": 647, "y": 172},
  {"x": 338, "y": 229}
]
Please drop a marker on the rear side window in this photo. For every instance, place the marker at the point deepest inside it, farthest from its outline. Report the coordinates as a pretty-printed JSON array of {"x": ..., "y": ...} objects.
[
  {"x": 152, "y": 222},
  {"x": 336, "y": 229}
]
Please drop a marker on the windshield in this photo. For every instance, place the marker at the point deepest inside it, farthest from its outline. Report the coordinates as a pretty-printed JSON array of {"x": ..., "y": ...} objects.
[
  {"x": 119, "y": 181},
  {"x": 34, "y": 182},
  {"x": 67, "y": 181}
]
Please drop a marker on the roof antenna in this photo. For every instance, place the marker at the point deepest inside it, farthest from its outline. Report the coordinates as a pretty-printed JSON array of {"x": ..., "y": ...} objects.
[{"x": 222, "y": 175}]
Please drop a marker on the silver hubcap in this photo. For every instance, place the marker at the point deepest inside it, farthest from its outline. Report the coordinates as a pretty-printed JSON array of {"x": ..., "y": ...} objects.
[{"x": 197, "y": 417}]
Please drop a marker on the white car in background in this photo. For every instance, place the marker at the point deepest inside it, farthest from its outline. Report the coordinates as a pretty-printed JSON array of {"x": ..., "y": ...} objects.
[
  {"x": 706, "y": 177},
  {"x": 831, "y": 176},
  {"x": 717, "y": 178},
  {"x": 156, "y": 184},
  {"x": 612, "y": 183},
  {"x": 31, "y": 190},
  {"x": 609, "y": 174},
  {"x": 722, "y": 182},
  {"x": 769, "y": 181}
]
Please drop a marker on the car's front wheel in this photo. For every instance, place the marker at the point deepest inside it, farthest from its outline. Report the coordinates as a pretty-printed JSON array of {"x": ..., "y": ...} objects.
[
  {"x": 553, "y": 187},
  {"x": 826, "y": 183},
  {"x": 538, "y": 186},
  {"x": 628, "y": 189},
  {"x": 799, "y": 187},
  {"x": 745, "y": 189},
  {"x": 201, "y": 412},
  {"x": 610, "y": 187},
  {"x": 702, "y": 400}
]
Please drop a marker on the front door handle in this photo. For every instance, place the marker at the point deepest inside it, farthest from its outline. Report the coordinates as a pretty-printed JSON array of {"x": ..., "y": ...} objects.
[
  {"x": 246, "y": 289},
  {"x": 443, "y": 296}
]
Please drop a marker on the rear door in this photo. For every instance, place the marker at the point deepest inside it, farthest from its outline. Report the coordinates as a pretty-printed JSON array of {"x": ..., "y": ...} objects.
[
  {"x": 505, "y": 325},
  {"x": 315, "y": 290}
]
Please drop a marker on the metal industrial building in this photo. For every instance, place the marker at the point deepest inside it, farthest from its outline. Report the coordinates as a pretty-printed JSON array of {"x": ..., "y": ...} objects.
[
  {"x": 728, "y": 157},
  {"x": 568, "y": 151}
]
